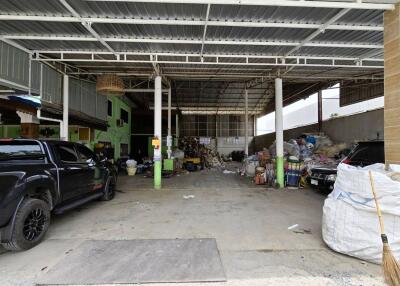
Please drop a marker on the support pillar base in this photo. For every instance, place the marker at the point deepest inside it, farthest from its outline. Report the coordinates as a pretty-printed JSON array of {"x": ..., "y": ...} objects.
[
  {"x": 280, "y": 172},
  {"x": 157, "y": 175}
]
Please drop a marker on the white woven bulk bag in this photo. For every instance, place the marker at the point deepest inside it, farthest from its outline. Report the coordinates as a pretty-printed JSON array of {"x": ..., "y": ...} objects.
[{"x": 350, "y": 223}]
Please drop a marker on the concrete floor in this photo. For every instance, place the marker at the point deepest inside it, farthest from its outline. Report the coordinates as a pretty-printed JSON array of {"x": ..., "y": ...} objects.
[{"x": 250, "y": 224}]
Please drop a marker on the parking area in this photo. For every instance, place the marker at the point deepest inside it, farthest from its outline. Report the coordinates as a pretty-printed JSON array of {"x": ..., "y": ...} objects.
[{"x": 250, "y": 225}]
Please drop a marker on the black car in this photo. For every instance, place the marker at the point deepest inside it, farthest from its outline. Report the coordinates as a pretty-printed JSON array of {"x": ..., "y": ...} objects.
[
  {"x": 363, "y": 154},
  {"x": 38, "y": 177}
]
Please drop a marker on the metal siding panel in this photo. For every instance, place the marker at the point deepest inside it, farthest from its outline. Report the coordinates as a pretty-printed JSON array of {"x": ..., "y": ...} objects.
[
  {"x": 101, "y": 110},
  {"x": 352, "y": 92},
  {"x": 35, "y": 80},
  {"x": 91, "y": 97},
  {"x": 52, "y": 85},
  {"x": 75, "y": 94},
  {"x": 14, "y": 64}
]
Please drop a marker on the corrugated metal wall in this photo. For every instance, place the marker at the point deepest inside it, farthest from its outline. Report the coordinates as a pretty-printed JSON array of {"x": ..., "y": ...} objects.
[
  {"x": 206, "y": 125},
  {"x": 352, "y": 92},
  {"x": 35, "y": 80},
  {"x": 52, "y": 85},
  {"x": 14, "y": 73},
  {"x": 83, "y": 98},
  {"x": 101, "y": 107},
  {"x": 14, "y": 65}
]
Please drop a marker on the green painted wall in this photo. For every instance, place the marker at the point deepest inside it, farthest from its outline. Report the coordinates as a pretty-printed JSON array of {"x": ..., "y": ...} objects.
[
  {"x": 116, "y": 135},
  {"x": 13, "y": 131},
  {"x": 10, "y": 131}
]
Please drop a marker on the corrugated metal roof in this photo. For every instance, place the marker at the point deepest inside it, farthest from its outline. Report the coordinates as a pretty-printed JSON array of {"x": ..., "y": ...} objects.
[{"x": 226, "y": 48}]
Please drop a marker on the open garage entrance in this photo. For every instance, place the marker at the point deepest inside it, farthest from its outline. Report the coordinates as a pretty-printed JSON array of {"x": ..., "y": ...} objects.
[{"x": 140, "y": 79}]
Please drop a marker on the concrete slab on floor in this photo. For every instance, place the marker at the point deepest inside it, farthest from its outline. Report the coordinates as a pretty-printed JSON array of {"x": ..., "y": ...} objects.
[
  {"x": 249, "y": 223},
  {"x": 138, "y": 261}
]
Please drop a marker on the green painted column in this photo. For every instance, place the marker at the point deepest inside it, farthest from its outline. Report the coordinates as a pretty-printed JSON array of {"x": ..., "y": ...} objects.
[
  {"x": 157, "y": 174},
  {"x": 280, "y": 172},
  {"x": 157, "y": 131}
]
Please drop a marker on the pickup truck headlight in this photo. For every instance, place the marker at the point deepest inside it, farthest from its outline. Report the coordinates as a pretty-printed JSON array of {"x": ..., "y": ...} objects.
[{"x": 331, "y": 178}]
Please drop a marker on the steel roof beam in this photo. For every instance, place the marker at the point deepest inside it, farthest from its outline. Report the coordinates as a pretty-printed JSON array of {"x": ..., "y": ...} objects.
[
  {"x": 205, "y": 30},
  {"x": 230, "y": 23},
  {"x": 355, "y": 4},
  {"x": 234, "y": 56},
  {"x": 87, "y": 25},
  {"x": 320, "y": 30},
  {"x": 208, "y": 63},
  {"x": 297, "y": 45}
]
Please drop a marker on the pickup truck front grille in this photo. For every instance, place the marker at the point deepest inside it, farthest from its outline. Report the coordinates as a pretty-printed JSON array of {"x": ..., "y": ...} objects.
[{"x": 318, "y": 176}]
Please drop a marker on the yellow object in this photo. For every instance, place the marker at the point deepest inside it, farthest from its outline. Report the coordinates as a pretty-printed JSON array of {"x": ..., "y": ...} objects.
[
  {"x": 193, "y": 160},
  {"x": 155, "y": 142}
]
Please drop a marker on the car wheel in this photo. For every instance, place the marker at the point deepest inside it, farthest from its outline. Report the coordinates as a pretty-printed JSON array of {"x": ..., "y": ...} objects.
[
  {"x": 31, "y": 224},
  {"x": 109, "y": 190}
]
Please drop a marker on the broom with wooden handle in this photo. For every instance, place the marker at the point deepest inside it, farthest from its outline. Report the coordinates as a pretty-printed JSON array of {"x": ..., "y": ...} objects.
[{"x": 391, "y": 267}]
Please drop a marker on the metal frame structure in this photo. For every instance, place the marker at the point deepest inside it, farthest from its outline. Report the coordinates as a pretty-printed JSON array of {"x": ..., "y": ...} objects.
[
  {"x": 352, "y": 4},
  {"x": 210, "y": 59},
  {"x": 224, "y": 41},
  {"x": 186, "y": 22}
]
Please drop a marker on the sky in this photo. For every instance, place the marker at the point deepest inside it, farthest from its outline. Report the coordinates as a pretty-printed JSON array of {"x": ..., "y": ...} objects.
[{"x": 305, "y": 112}]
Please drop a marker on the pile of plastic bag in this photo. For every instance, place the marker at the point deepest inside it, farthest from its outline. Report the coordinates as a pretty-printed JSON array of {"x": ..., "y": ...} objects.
[
  {"x": 249, "y": 166},
  {"x": 350, "y": 223},
  {"x": 290, "y": 148}
]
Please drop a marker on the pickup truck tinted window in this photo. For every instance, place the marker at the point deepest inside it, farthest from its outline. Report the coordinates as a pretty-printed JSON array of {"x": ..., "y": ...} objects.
[
  {"x": 85, "y": 154},
  {"x": 366, "y": 154},
  {"x": 20, "y": 149},
  {"x": 66, "y": 153}
]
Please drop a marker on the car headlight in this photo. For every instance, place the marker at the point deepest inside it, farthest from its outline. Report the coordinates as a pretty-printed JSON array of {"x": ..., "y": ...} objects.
[{"x": 331, "y": 178}]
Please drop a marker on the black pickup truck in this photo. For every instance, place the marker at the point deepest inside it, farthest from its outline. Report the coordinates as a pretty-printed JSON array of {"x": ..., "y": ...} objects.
[
  {"x": 363, "y": 154},
  {"x": 39, "y": 177}
]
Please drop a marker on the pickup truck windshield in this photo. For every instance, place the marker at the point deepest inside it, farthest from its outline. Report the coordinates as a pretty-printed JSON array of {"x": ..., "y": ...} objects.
[{"x": 14, "y": 150}]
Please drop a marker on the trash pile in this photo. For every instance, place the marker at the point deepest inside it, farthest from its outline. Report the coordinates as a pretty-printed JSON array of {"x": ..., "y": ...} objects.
[
  {"x": 313, "y": 150},
  {"x": 199, "y": 153},
  {"x": 301, "y": 155}
]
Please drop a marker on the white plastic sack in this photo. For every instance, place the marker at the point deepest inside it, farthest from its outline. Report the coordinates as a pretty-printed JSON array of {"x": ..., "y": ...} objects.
[
  {"x": 350, "y": 223},
  {"x": 251, "y": 168},
  {"x": 131, "y": 163},
  {"x": 178, "y": 154}
]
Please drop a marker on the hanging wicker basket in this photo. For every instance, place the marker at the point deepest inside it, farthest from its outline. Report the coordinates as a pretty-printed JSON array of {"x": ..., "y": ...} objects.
[{"x": 110, "y": 84}]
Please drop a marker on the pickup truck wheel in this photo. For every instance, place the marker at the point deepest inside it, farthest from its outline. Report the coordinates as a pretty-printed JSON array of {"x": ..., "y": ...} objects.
[
  {"x": 31, "y": 223},
  {"x": 109, "y": 190}
]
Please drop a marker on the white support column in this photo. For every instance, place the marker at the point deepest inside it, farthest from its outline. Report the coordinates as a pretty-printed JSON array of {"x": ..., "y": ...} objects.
[
  {"x": 157, "y": 131},
  {"x": 246, "y": 122},
  {"x": 64, "y": 129},
  {"x": 279, "y": 132},
  {"x": 169, "y": 138}
]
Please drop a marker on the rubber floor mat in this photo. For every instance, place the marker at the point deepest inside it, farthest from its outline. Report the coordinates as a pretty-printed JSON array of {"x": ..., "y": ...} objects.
[{"x": 138, "y": 261}]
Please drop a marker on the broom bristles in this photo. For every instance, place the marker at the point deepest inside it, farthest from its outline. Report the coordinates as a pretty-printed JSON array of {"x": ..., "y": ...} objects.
[{"x": 391, "y": 267}]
